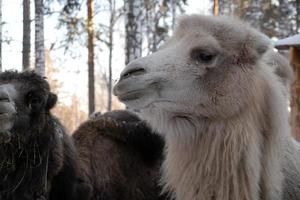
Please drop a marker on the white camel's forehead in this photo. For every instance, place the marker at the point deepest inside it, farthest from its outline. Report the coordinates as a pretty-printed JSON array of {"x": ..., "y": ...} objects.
[
  {"x": 208, "y": 23},
  {"x": 187, "y": 41},
  {"x": 207, "y": 26},
  {"x": 192, "y": 27}
]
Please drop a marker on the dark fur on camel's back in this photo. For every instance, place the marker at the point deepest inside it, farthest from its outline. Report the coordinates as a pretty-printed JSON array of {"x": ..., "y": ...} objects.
[
  {"x": 37, "y": 158},
  {"x": 120, "y": 156}
]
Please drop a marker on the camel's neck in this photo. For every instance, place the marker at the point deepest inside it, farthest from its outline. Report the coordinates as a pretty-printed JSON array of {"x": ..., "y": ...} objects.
[
  {"x": 218, "y": 161},
  {"x": 237, "y": 158},
  {"x": 16, "y": 153}
]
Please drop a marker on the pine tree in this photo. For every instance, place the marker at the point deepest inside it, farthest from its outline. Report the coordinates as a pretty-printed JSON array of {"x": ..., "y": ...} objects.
[
  {"x": 274, "y": 18},
  {"x": 216, "y": 8}
]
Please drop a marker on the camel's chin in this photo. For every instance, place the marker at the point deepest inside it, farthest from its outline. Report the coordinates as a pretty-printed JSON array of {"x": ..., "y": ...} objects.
[
  {"x": 136, "y": 103},
  {"x": 137, "y": 99},
  {"x": 5, "y": 137},
  {"x": 6, "y": 122}
]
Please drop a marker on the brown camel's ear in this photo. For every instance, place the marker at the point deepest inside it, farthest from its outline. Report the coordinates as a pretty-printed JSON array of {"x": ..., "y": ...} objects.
[{"x": 51, "y": 101}]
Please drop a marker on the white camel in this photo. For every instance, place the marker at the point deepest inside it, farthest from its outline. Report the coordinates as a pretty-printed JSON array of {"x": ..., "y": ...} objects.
[{"x": 219, "y": 103}]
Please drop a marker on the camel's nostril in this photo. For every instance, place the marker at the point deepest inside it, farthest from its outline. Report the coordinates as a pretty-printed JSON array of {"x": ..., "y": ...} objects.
[{"x": 133, "y": 72}]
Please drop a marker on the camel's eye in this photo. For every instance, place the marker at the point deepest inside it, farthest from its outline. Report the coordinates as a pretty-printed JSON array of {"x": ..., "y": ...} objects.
[
  {"x": 205, "y": 57},
  {"x": 202, "y": 56},
  {"x": 33, "y": 100}
]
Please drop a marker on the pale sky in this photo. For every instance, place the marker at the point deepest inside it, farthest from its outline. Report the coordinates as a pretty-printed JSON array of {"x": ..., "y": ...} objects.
[{"x": 73, "y": 72}]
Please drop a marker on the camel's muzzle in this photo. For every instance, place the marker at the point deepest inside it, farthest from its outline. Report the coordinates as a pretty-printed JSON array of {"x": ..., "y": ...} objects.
[{"x": 7, "y": 107}]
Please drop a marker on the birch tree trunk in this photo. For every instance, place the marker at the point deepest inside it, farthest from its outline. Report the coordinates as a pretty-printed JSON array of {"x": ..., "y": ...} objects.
[
  {"x": 112, "y": 8},
  {"x": 91, "y": 65},
  {"x": 133, "y": 29},
  {"x": 173, "y": 6},
  {"x": 39, "y": 38},
  {"x": 26, "y": 35}
]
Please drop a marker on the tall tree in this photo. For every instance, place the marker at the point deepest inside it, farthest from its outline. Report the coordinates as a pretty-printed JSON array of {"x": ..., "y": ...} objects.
[
  {"x": 252, "y": 12},
  {"x": 276, "y": 18},
  {"x": 173, "y": 6},
  {"x": 133, "y": 29},
  {"x": 160, "y": 18},
  {"x": 39, "y": 37},
  {"x": 285, "y": 22},
  {"x": 155, "y": 31},
  {"x": 1, "y": 37},
  {"x": 298, "y": 16},
  {"x": 26, "y": 35},
  {"x": 112, "y": 21},
  {"x": 216, "y": 8},
  {"x": 225, "y": 7},
  {"x": 91, "y": 65}
]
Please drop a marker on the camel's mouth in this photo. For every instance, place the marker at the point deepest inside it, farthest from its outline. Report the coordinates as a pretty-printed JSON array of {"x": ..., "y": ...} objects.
[
  {"x": 129, "y": 96},
  {"x": 6, "y": 121},
  {"x": 4, "y": 115},
  {"x": 7, "y": 109},
  {"x": 129, "y": 90},
  {"x": 7, "y": 116}
]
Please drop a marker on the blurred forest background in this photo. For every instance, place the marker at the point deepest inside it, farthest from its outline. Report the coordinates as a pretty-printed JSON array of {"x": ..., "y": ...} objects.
[{"x": 82, "y": 45}]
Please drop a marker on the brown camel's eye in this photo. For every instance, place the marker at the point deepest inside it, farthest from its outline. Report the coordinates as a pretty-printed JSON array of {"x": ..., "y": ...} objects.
[
  {"x": 33, "y": 100},
  {"x": 34, "y": 103},
  {"x": 202, "y": 56}
]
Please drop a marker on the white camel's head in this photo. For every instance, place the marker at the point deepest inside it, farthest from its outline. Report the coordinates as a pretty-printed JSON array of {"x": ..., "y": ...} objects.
[{"x": 206, "y": 69}]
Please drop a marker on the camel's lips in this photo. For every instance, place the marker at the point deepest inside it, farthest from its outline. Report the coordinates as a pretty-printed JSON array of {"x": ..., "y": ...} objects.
[
  {"x": 129, "y": 96},
  {"x": 6, "y": 116},
  {"x": 7, "y": 109}
]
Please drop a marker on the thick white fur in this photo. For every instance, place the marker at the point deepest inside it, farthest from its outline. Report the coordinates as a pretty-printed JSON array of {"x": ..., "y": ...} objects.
[
  {"x": 226, "y": 122},
  {"x": 228, "y": 159}
]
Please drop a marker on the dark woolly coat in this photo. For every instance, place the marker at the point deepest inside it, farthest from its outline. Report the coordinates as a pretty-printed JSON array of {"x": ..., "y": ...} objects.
[
  {"x": 39, "y": 161},
  {"x": 120, "y": 157}
]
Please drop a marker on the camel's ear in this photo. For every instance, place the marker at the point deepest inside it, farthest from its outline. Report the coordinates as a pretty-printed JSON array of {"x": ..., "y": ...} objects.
[
  {"x": 259, "y": 44},
  {"x": 262, "y": 44},
  {"x": 51, "y": 101}
]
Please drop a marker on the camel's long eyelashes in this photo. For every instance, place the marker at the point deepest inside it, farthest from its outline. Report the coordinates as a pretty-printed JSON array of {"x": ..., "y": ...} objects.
[{"x": 202, "y": 56}]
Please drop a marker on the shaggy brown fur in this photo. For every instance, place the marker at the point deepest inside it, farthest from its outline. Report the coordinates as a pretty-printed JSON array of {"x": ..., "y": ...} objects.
[
  {"x": 120, "y": 157},
  {"x": 37, "y": 157}
]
